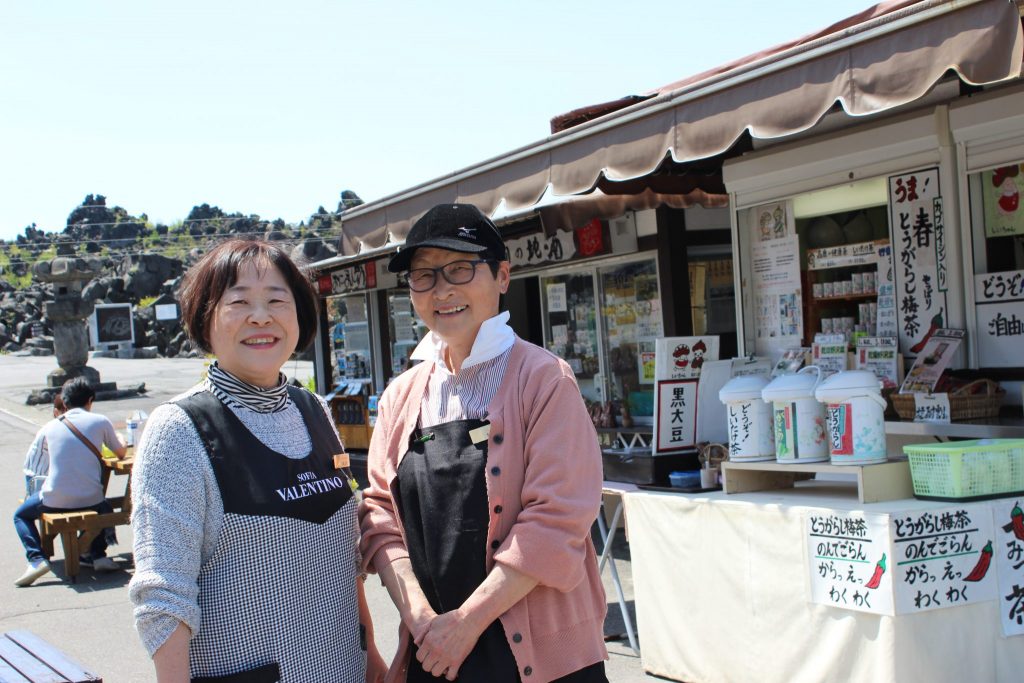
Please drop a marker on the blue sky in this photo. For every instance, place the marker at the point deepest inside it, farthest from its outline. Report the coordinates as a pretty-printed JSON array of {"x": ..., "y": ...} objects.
[{"x": 273, "y": 108}]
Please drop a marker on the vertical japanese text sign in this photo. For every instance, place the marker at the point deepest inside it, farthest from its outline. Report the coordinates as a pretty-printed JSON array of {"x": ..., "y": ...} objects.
[
  {"x": 942, "y": 558},
  {"x": 1009, "y": 551},
  {"x": 919, "y": 250},
  {"x": 848, "y": 560}
]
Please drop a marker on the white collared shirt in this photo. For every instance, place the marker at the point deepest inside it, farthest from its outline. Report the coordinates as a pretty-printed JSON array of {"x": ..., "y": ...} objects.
[{"x": 465, "y": 394}]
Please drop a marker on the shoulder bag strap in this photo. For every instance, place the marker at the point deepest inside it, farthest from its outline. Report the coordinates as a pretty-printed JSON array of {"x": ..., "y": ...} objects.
[{"x": 81, "y": 437}]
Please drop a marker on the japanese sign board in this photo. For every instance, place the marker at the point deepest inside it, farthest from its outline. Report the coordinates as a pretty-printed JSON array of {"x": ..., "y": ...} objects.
[
  {"x": 829, "y": 353},
  {"x": 862, "y": 253},
  {"x": 111, "y": 324},
  {"x": 932, "y": 408},
  {"x": 677, "y": 368},
  {"x": 848, "y": 560},
  {"x": 941, "y": 558},
  {"x": 919, "y": 250},
  {"x": 1000, "y": 317},
  {"x": 879, "y": 355},
  {"x": 539, "y": 248},
  {"x": 355, "y": 278},
  {"x": 1000, "y": 191},
  {"x": 675, "y": 415},
  {"x": 886, "y": 324},
  {"x": 1008, "y": 547}
]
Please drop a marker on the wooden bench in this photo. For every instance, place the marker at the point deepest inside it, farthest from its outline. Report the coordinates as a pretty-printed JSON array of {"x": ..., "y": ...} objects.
[
  {"x": 78, "y": 529},
  {"x": 27, "y": 658}
]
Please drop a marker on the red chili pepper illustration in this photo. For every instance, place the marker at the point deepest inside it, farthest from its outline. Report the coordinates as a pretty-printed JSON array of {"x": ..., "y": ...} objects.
[
  {"x": 876, "y": 578},
  {"x": 980, "y": 569},
  {"x": 1016, "y": 522},
  {"x": 936, "y": 324}
]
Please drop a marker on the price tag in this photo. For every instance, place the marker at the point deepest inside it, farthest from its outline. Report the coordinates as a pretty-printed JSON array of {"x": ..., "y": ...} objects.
[
  {"x": 931, "y": 408},
  {"x": 341, "y": 461}
]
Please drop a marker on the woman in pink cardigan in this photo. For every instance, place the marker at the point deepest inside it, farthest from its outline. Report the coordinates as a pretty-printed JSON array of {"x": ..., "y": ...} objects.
[{"x": 485, "y": 477}]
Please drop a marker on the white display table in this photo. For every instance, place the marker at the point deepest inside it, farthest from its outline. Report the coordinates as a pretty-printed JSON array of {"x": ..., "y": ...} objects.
[{"x": 722, "y": 595}]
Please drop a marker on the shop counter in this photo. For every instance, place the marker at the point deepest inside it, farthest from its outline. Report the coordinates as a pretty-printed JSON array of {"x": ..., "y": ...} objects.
[
  {"x": 988, "y": 428},
  {"x": 722, "y": 595}
]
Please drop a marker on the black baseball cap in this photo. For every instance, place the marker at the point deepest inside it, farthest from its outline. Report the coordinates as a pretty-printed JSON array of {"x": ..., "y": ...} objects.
[{"x": 458, "y": 227}]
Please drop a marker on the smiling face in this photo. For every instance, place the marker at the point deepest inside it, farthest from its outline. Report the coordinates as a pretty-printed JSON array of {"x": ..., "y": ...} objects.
[
  {"x": 255, "y": 327},
  {"x": 455, "y": 312}
]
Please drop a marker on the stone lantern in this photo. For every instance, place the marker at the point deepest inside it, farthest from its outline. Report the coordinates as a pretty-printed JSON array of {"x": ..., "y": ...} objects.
[{"x": 67, "y": 314}]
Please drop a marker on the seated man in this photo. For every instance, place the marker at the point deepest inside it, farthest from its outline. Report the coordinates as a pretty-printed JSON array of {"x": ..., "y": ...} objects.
[
  {"x": 74, "y": 481},
  {"x": 37, "y": 460}
]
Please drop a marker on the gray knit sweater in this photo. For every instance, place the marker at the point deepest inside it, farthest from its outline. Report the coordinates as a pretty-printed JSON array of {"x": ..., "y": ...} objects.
[{"x": 178, "y": 512}]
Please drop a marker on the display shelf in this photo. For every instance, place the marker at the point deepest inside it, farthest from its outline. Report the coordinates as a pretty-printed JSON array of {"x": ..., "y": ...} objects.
[
  {"x": 845, "y": 297},
  {"x": 884, "y": 481}
]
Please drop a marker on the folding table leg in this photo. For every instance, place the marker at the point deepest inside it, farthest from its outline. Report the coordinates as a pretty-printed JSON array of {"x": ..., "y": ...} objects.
[{"x": 607, "y": 537}]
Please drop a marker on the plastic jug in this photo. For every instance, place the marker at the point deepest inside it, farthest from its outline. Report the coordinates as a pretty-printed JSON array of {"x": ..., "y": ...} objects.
[
  {"x": 750, "y": 419},
  {"x": 855, "y": 416},
  {"x": 798, "y": 417}
]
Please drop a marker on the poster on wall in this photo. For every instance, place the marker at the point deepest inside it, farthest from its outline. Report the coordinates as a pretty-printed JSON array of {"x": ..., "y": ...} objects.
[
  {"x": 919, "y": 257},
  {"x": 1008, "y": 546},
  {"x": 1000, "y": 192},
  {"x": 770, "y": 221},
  {"x": 778, "y": 309},
  {"x": 848, "y": 560},
  {"x": 999, "y": 313},
  {"x": 942, "y": 558}
]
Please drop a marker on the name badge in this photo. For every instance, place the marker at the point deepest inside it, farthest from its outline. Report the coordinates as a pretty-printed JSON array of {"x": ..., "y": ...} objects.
[
  {"x": 341, "y": 461},
  {"x": 480, "y": 434}
]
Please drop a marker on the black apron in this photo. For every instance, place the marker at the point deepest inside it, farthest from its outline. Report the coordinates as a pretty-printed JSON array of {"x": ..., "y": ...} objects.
[{"x": 443, "y": 503}]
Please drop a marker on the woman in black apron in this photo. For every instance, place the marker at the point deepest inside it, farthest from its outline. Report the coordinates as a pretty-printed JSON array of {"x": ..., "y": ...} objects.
[
  {"x": 245, "y": 525},
  {"x": 441, "y": 487}
]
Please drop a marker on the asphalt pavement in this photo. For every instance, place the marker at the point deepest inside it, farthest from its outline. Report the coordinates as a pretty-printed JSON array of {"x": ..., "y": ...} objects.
[{"x": 91, "y": 620}]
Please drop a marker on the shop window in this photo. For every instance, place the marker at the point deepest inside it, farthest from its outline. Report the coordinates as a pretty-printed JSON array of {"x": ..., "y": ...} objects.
[
  {"x": 570, "y": 326},
  {"x": 997, "y": 235},
  {"x": 350, "y": 338},
  {"x": 406, "y": 331},
  {"x": 631, "y": 322}
]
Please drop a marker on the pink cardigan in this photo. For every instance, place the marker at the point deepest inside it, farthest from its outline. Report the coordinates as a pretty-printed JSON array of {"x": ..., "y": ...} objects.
[{"x": 544, "y": 471}]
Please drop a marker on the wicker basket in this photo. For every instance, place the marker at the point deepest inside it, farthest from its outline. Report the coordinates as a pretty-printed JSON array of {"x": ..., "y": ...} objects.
[{"x": 980, "y": 398}]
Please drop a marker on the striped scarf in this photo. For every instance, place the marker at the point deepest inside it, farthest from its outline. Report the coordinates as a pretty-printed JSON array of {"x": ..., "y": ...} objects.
[{"x": 231, "y": 390}]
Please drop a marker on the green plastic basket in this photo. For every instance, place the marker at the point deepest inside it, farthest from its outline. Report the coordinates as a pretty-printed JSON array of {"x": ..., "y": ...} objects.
[{"x": 967, "y": 470}]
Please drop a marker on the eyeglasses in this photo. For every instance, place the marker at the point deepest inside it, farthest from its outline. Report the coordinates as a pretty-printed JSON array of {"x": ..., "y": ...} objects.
[{"x": 456, "y": 273}]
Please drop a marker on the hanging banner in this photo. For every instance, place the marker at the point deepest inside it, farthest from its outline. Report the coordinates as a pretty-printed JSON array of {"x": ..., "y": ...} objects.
[
  {"x": 1000, "y": 192},
  {"x": 1009, "y": 550},
  {"x": 919, "y": 248},
  {"x": 539, "y": 248},
  {"x": 1000, "y": 317},
  {"x": 849, "y": 560},
  {"x": 942, "y": 558}
]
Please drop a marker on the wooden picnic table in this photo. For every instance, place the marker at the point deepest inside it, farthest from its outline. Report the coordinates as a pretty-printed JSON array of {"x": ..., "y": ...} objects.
[{"x": 27, "y": 658}]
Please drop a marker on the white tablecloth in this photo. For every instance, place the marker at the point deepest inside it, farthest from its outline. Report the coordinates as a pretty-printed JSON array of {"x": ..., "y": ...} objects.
[{"x": 721, "y": 594}]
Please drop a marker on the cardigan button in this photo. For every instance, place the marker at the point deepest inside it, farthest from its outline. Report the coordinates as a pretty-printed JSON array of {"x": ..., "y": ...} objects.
[
  {"x": 527, "y": 670},
  {"x": 517, "y": 637},
  {"x": 498, "y": 509},
  {"x": 495, "y": 545},
  {"x": 495, "y": 471},
  {"x": 498, "y": 438}
]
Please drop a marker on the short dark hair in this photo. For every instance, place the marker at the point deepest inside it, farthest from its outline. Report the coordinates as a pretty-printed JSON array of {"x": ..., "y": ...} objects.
[
  {"x": 205, "y": 283},
  {"x": 76, "y": 393}
]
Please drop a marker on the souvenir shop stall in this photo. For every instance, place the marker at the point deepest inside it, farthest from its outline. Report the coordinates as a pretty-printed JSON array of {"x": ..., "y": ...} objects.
[{"x": 869, "y": 522}]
